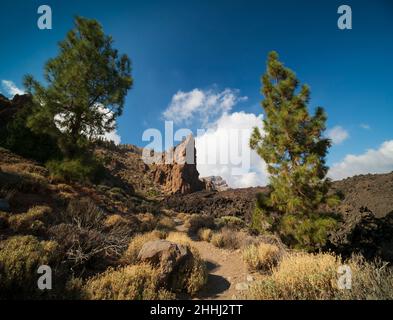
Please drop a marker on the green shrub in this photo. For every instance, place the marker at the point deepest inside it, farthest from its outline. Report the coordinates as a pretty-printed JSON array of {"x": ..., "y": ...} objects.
[
  {"x": 80, "y": 169},
  {"x": 137, "y": 282},
  {"x": 310, "y": 233},
  {"x": 259, "y": 220},
  {"x": 117, "y": 194},
  {"x": 20, "y": 257},
  {"x": 73, "y": 289},
  {"x": 17, "y": 137},
  {"x": 230, "y": 222}
]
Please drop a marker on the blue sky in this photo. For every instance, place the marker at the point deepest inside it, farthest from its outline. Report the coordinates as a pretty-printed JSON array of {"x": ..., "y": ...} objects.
[{"x": 216, "y": 45}]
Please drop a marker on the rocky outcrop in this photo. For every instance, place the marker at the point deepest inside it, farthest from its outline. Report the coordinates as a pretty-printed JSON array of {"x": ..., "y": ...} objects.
[
  {"x": 215, "y": 183},
  {"x": 175, "y": 170}
]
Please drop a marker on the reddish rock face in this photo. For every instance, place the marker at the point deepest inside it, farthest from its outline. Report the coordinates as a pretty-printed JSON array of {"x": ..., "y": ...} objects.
[{"x": 177, "y": 171}]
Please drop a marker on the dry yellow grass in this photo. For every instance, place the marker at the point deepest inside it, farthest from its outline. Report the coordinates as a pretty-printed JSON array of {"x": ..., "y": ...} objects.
[
  {"x": 370, "y": 281},
  {"x": 166, "y": 223},
  {"x": 315, "y": 276},
  {"x": 198, "y": 275},
  {"x": 137, "y": 282},
  {"x": 227, "y": 238},
  {"x": 217, "y": 239},
  {"x": 148, "y": 221},
  {"x": 197, "y": 221},
  {"x": 263, "y": 256},
  {"x": 182, "y": 216},
  {"x": 205, "y": 234},
  {"x": 25, "y": 168},
  {"x": 178, "y": 237},
  {"x": 31, "y": 221},
  {"x": 299, "y": 276},
  {"x": 114, "y": 220}
]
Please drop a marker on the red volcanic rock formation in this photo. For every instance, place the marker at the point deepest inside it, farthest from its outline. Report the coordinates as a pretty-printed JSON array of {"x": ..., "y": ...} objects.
[{"x": 176, "y": 171}]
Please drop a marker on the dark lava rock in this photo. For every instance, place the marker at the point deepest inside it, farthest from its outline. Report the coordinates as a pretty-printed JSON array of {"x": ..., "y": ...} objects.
[
  {"x": 366, "y": 234},
  {"x": 4, "y": 205},
  {"x": 233, "y": 202}
]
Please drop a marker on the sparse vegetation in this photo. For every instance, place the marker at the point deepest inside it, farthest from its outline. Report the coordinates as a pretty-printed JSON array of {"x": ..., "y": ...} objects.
[
  {"x": 166, "y": 223},
  {"x": 82, "y": 169},
  {"x": 217, "y": 239},
  {"x": 263, "y": 256},
  {"x": 198, "y": 221},
  {"x": 148, "y": 222},
  {"x": 205, "y": 234},
  {"x": 230, "y": 222},
  {"x": 314, "y": 277},
  {"x": 178, "y": 237},
  {"x": 31, "y": 222},
  {"x": 137, "y": 282},
  {"x": 227, "y": 238},
  {"x": 20, "y": 257},
  {"x": 197, "y": 277}
]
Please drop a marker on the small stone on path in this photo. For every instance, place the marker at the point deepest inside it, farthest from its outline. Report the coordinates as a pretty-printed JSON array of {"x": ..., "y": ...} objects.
[{"x": 242, "y": 286}]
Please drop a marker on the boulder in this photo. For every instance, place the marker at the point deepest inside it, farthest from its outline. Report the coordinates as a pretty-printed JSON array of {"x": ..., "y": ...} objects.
[{"x": 173, "y": 260}]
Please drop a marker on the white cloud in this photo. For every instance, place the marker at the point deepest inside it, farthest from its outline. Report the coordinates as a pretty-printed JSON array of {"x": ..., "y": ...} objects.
[
  {"x": 224, "y": 149},
  {"x": 337, "y": 134},
  {"x": 113, "y": 136},
  {"x": 365, "y": 126},
  {"x": 372, "y": 161},
  {"x": 109, "y": 136},
  {"x": 11, "y": 89},
  {"x": 201, "y": 105}
]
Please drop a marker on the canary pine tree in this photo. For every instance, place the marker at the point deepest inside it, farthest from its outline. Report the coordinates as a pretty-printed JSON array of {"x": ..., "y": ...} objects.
[
  {"x": 294, "y": 149},
  {"x": 87, "y": 85}
]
